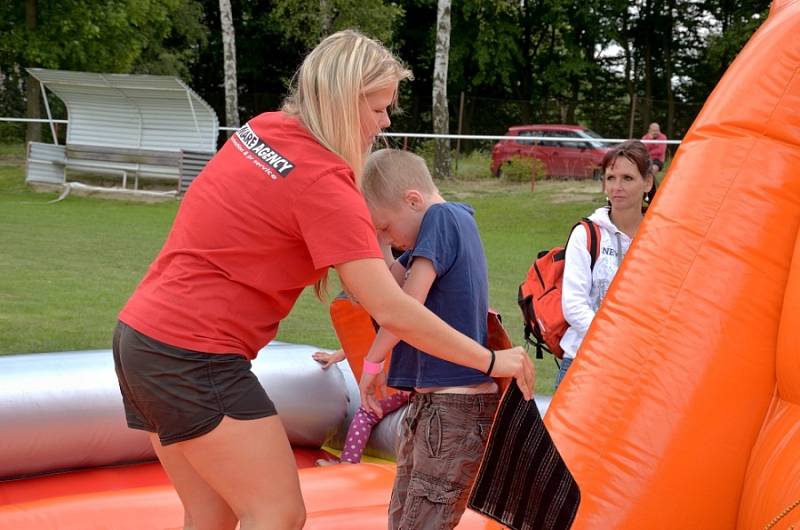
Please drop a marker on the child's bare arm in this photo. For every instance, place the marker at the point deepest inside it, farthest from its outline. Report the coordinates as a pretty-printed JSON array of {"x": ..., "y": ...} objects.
[
  {"x": 398, "y": 272},
  {"x": 327, "y": 359},
  {"x": 417, "y": 284}
]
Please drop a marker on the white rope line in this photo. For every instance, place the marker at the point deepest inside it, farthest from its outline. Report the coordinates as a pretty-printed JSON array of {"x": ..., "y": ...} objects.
[
  {"x": 35, "y": 120},
  {"x": 524, "y": 138},
  {"x": 451, "y": 136}
]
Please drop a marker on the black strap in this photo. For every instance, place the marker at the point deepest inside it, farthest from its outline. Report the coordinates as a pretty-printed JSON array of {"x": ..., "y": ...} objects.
[{"x": 594, "y": 239}]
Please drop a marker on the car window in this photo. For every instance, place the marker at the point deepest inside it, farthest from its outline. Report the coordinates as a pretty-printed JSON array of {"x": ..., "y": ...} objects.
[
  {"x": 577, "y": 144},
  {"x": 527, "y": 142},
  {"x": 551, "y": 134},
  {"x": 587, "y": 133}
]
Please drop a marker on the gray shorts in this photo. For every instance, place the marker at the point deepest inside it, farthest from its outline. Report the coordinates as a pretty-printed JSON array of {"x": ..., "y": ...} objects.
[
  {"x": 182, "y": 394},
  {"x": 441, "y": 444}
]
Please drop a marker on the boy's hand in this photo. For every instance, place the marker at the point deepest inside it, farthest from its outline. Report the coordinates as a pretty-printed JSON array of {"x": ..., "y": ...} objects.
[
  {"x": 372, "y": 388},
  {"x": 327, "y": 359},
  {"x": 514, "y": 362}
]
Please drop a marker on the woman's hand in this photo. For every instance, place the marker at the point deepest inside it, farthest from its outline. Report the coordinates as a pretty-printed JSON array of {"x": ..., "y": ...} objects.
[
  {"x": 514, "y": 362},
  {"x": 327, "y": 359},
  {"x": 372, "y": 388}
]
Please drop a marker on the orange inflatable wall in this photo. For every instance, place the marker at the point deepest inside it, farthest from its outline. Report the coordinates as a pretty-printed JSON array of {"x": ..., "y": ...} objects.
[
  {"x": 682, "y": 409},
  {"x": 355, "y": 331}
]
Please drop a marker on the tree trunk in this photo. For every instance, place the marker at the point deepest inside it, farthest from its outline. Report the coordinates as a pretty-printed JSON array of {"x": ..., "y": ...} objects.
[
  {"x": 647, "y": 103},
  {"x": 524, "y": 93},
  {"x": 325, "y": 17},
  {"x": 670, "y": 130},
  {"x": 629, "y": 70},
  {"x": 229, "y": 56},
  {"x": 33, "y": 133},
  {"x": 441, "y": 120}
]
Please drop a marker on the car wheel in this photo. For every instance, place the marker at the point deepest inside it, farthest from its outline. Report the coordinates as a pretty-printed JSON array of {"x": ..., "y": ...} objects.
[
  {"x": 499, "y": 172},
  {"x": 597, "y": 174}
]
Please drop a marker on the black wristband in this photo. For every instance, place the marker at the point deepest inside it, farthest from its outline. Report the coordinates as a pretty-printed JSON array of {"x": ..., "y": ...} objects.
[{"x": 491, "y": 363}]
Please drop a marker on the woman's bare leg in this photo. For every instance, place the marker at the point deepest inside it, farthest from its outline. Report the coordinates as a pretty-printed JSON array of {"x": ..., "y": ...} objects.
[
  {"x": 204, "y": 508},
  {"x": 250, "y": 464}
]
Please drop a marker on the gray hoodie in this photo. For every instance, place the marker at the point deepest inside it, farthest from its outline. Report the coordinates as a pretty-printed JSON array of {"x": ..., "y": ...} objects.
[{"x": 584, "y": 288}]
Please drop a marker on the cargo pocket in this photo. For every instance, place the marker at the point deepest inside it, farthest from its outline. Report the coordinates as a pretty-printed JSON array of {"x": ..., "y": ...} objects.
[
  {"x": 432, "y": 505},
  {"x": 475, "y": 439},
  {"x": 484, "y": 428},
  {"x": 434, "y": 434}
]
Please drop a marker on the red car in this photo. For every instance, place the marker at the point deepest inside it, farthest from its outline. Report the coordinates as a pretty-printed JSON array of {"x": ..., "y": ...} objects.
[{"x": 578, "y": 157}]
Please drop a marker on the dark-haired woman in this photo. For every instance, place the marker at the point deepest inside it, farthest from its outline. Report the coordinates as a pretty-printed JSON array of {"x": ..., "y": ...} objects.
[{"x": 629, "y": 185}]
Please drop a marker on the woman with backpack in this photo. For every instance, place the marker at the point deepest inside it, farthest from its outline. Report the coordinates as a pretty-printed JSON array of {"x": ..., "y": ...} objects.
[{"x": 630, "y": 186}]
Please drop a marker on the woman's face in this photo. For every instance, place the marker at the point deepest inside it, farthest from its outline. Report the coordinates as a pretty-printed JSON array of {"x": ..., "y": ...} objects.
[
  {"x": 374, "y": 115},
  {"x": 625, "y": 185}
]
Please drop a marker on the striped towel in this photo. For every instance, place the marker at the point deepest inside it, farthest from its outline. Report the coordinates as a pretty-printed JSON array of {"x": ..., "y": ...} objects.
[{"x": 522, "y": 482}]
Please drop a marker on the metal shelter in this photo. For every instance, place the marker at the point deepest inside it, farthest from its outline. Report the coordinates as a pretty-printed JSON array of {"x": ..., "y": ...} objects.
[
  {"x": 125, "y": 125},
  {"x": 131, "y": 111}
]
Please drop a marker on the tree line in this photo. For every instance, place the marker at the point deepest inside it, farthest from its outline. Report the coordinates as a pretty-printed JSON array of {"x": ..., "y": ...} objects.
[{"x": 611, "y": 65}]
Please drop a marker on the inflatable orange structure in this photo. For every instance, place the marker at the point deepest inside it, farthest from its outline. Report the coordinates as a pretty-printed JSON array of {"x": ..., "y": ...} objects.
[{"x": 682, "y": 410}]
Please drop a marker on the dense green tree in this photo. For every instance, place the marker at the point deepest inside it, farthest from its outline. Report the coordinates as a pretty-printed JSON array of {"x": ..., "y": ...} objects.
[
  {"x": 272, "y": 37},
  {"x": 613, "y": 65},
  {"x": 306, "y": 22},
  {"x": 153, "y": 36}
]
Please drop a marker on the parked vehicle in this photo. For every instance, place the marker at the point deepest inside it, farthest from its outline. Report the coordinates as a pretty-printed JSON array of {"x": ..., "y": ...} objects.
[{"x": 577, "y": 157}]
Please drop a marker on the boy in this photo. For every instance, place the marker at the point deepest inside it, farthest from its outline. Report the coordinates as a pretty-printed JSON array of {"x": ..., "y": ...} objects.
[{"x": 452, "y": 406}]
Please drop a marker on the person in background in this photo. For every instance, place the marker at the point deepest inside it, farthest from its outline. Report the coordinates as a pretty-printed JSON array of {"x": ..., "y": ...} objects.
[
  {"x": 273, "y": 211},
  {"x": 629, "y": 185},
  {"x": 657, "y": 151}
]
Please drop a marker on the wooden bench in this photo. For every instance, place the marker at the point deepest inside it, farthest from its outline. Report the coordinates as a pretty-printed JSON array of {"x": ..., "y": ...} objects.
[
  {"x": 123, "y": 161},
  {"x": 180, "y": 166}
]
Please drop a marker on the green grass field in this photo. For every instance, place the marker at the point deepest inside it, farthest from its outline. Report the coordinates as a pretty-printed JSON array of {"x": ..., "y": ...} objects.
[{"x": 66, "y": 268}]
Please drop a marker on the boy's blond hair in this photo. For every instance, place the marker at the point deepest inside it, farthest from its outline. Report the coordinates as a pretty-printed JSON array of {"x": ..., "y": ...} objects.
[
  {"x": 390, "y": 173},
  {"x": 328, "y": 86}
]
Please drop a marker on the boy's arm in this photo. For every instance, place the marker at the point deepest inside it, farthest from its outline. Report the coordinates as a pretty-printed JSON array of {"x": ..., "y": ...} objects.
[
  {"x": 417, "y": 284},
  {"x": 399, "y": 272}
]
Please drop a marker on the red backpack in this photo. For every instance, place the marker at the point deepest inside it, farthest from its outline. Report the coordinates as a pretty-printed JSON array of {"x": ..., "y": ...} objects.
[{"x": 540, "y": 294}]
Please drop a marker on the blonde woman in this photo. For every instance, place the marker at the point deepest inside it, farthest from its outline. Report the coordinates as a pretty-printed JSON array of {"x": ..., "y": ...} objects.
[{"x": 274, "y": 210}]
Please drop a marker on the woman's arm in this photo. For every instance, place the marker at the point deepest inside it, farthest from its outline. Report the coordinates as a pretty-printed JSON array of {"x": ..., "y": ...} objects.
[
  {"x": 577, "y": 284},
  {"x": 372, "y": 284}
]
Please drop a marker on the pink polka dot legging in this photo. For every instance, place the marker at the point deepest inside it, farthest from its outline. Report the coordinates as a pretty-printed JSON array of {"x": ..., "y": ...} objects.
[{"x": 362, "y": 424}]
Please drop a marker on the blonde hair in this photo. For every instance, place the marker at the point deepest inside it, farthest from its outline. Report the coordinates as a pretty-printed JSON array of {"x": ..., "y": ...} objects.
[
  {"x": 389, "y": 173},
  {"x": 327, "y": 88}
]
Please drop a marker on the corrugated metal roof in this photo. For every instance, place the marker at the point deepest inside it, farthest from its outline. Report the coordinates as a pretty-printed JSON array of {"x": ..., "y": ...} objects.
[{"x": 126, "y": 110}]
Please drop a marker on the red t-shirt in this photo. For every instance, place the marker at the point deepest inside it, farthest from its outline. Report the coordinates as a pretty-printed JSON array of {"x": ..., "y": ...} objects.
[
  {"x": 270, "y": 213},
  {"x": 657, "y": 151}
]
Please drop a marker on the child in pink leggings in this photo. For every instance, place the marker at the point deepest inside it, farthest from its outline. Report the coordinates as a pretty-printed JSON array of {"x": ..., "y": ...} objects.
[{"x": 363, "y": 421}]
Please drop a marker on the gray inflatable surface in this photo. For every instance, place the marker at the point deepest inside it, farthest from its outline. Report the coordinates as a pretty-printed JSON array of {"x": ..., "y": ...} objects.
[{"x": 62, "y": 411}]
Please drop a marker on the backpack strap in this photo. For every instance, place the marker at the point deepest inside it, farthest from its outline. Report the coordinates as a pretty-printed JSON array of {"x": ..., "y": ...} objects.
[{"x": 593, "y": 239}]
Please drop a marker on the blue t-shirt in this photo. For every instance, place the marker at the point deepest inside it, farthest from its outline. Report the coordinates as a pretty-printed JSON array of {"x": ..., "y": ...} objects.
[{"x": 449, "y": 238}]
